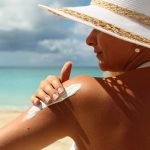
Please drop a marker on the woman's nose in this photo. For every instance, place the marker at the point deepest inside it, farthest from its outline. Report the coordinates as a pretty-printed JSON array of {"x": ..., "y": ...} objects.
[{"x": 91, "y": 39}]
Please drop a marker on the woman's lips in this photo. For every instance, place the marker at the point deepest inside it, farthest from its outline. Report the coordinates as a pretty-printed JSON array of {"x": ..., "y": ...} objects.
[{"x": 99, "y": 55}]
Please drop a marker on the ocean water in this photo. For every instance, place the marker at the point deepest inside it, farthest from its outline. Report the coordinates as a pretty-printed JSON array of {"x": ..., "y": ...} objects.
[{"x": 17, "y": 84}]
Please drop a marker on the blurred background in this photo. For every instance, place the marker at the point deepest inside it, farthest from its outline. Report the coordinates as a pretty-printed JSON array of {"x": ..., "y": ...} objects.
[{"x": 34, "y": 44}]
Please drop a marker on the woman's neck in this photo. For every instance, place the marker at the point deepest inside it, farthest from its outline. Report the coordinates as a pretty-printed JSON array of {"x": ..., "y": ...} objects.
[
  {"x": 144, "y": 65},
  {"x": 136, "y": 60}
]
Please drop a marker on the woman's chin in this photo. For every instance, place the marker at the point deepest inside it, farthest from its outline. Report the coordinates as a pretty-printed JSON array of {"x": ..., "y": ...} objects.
[{"x": 102, "y": 66}]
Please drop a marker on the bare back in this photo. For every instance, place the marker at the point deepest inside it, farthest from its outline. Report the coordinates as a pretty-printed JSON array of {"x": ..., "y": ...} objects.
[{"x": 114, "y": 114}]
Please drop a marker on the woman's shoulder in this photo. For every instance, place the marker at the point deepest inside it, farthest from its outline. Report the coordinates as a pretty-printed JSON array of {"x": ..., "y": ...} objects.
[
  {"x": 89, "y": 85},
  {"x": 92, "y": 91},
  {"x": 92, "y": 104}
]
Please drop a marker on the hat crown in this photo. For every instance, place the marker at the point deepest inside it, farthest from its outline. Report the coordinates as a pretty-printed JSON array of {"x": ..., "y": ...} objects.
[
  {"x": 140, "y": 6},
  {"x": 128, "y": 20}
]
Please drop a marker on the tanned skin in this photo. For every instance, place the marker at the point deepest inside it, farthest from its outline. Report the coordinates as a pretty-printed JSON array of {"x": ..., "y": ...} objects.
[{"x": 107, "y": 113}]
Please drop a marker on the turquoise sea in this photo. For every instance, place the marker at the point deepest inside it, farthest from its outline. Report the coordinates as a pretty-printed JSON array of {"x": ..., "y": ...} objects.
[{"x": 17, "y": 84}]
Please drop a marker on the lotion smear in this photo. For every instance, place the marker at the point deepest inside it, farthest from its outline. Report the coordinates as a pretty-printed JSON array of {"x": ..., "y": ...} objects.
[{"x": 69, "y": 91}]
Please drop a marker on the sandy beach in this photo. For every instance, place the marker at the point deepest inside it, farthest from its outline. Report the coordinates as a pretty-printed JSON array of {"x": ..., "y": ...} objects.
[{"x": 63, "y": 144}]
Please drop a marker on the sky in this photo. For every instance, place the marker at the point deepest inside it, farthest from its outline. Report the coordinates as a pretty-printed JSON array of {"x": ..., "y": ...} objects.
[{"x": 30, "y": 36}]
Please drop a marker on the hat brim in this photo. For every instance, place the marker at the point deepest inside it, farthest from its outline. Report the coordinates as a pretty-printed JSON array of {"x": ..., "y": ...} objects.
[{"x": 107, "y": 22}]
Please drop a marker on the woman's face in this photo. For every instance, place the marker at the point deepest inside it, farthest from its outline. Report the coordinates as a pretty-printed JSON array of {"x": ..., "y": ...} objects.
[{"x": 113, "y": 54}]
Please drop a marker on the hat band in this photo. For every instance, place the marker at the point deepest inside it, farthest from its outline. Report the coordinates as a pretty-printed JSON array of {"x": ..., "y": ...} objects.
[
  {"x": 136, "y": 16},
  {"x": 106, "y": 26}
]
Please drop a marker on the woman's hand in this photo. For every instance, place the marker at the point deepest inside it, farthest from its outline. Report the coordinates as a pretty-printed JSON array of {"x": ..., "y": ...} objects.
[{"x": 51, "y": 88}]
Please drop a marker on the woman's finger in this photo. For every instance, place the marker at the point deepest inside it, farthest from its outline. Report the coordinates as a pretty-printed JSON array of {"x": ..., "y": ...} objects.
[
  {"x": 49, "y": 90},
  {"x": 35, "y": 100},
  {"x": 66, "y": 71},
  {"x": 40, "y": 94},
  {"x": 55, "y": 82}
]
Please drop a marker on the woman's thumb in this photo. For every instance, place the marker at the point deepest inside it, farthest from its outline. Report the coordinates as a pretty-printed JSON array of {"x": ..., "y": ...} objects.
[{"x": 66, "y": 71}]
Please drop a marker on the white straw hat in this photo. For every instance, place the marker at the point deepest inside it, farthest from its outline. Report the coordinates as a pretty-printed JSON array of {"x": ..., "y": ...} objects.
[{"x": 128, "y": 20}]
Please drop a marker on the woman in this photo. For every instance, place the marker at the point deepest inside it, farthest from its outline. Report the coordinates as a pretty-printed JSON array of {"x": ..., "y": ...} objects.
[{"x": 110, "y": 113}]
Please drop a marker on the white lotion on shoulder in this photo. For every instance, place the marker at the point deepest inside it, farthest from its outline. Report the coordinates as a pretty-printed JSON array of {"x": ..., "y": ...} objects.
[{"x": 69, "y": 91}]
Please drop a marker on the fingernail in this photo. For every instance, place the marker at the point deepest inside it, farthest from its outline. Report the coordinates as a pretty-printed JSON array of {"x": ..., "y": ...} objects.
[
  {"x": 55, "y": 96},
  {"x": 36, "y": 102},
  {"x": 60, "y": 90},
  {"x": 47, "y": 99}
]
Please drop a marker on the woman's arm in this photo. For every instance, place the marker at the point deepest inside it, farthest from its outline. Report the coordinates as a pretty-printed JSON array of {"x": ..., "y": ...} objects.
[
  {"x": 47, "y": 126},
  {"x": 68, "y": 118}
]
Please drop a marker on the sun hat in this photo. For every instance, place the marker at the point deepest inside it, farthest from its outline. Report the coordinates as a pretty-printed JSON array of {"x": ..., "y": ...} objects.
[{"x": 128, "y": 20}]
